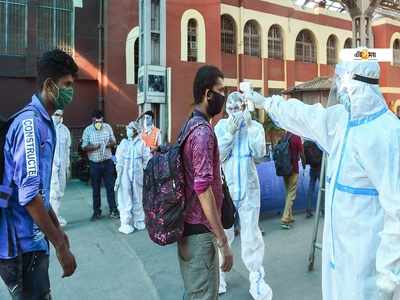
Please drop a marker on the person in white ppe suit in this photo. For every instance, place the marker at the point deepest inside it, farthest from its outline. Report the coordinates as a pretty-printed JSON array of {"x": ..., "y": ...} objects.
[
  {"x": 132, "y": 156},
  {"x": 241, "y": 143},
  {"x": 61, "y": 164},
  {"x": 361, "y": 257}
]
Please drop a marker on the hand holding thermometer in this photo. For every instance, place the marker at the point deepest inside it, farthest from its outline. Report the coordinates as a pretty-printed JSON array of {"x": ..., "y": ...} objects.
[{"x": 245, "y": 87}]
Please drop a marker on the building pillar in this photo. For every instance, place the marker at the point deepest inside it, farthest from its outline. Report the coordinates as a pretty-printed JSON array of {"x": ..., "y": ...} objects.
[{"x": 361, "y": 14}]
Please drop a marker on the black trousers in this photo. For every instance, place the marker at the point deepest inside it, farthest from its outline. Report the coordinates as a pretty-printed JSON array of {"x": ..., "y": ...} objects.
[
  {"x": 27, "y": 276},
  {"x": 98, "y": 172}
]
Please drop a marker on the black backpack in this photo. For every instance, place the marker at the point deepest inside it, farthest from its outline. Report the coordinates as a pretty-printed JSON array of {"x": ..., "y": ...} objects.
[
  {"x": 5, "y": 192},
  {"x": 164, "y": 198},
  {"x": 282, "y": 157},
  {"x": 313, "y": 154}
]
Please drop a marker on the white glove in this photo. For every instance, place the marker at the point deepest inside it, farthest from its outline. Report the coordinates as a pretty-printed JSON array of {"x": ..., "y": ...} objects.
[
  {"x": 386, "y": 287},
  {"x": 258, "y": 100},
  {"x": 117, "y": 183},
  {"x": 233, "y": 124},
  {"x": 247, "y": 117}
]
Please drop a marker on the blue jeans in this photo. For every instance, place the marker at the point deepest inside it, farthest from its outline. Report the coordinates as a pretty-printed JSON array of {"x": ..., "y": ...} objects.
[
  {"x": 98, "y": 172},
  {"x": 27, "y": 276},
  {"x": 314, "y": 177}
]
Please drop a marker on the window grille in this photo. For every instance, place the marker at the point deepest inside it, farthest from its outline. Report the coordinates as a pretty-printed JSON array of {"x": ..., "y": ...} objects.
[
  {"x": 348, "y": 44},
  {"x": 192, "y": 40},
  {"x": 13, "y": 27},
  {"x": 55, "y": 25},
  {"x": 252, "y": 39},
  {"x": 396, "y": 52},
  {"x": 136, "y": 60},
  {"x": 228, "y": 35},
  {"x": 332, "y": 51},
  {"x": 275, "y": 43},
  {"x": 305, "y": 47}
]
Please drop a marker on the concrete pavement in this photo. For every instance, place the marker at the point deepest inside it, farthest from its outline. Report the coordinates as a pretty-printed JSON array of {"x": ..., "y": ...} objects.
[{"x": 113, "y": 266}]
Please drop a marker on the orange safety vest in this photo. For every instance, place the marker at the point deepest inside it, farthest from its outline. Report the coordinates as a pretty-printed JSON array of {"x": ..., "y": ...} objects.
[{"x": 150, "y": 139}]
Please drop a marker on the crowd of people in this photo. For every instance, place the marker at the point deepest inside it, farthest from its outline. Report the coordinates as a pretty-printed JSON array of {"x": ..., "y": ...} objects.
[{"x": 358, "y": 134}]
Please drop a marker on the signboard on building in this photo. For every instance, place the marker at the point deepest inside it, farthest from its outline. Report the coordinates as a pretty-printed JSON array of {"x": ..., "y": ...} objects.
[{"x": 152, "y": 84}]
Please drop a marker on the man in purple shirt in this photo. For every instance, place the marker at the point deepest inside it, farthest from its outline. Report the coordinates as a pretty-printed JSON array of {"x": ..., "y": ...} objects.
[
  {"x": 27, "y": 221},
  {"x": 204, "y": 233}
]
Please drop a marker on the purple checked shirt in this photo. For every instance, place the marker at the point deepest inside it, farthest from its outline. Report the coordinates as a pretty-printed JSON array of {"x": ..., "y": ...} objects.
[{"x": 202, "y": 169}]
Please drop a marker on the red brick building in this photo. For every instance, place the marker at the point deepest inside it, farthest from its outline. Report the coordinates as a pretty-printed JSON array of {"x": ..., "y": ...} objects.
[{"x": 272, "y": 43}]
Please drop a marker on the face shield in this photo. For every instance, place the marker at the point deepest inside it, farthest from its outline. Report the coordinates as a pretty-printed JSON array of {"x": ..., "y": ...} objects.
[
  {"x": 356, "y": 84},
  {"x": 133, "y": 129},
  {"x": 235, "y": 104},
  {"x": 148, "y": 120},
  {"x": 343, "y": 82}
]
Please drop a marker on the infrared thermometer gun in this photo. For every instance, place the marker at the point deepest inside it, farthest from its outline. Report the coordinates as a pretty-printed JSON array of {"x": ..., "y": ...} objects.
[{"x": 245, "y": 87}]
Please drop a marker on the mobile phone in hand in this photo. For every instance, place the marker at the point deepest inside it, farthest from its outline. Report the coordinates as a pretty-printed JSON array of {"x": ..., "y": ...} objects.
[{"x": 244, "y": 88}]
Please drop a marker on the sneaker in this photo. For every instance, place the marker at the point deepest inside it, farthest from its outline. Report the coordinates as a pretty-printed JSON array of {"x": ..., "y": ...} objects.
[
  {"x": 222, "y": 289},
  {"x": 260, "y": 290},
  {"x": 114, "y": 214},
  {"x": 95, "y": 217},
  {"x": 126, "y": 229},
  {"x": 309, "y": 214},
  {"x": 222, "y": 284},
  {"x": 140, "y": 225},
  {"x": 286, "y": 226}
]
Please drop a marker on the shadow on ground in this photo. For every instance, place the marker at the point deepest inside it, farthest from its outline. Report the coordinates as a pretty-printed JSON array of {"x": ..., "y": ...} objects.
[{"x": 112, "y": 266}]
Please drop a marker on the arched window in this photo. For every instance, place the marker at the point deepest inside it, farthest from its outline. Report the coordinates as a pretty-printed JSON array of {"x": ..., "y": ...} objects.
[
  {"x": 275, "y": 42},
  {"x": 331, "y": 50},
  {"x": 252, "y": 43},
  {"x": 305, "y": 47},
  {"x": 132, "y": 56},
  {"x": 136, "y": 60},
  {"x": 54, "y": 25},
  {"x": 228, "y": 35},
  {"x": 13, "y": 15},
  {"x": 348, "y": 44},
  {"x": 192, "y": 40},
  {"x": 396, "y": 52}
]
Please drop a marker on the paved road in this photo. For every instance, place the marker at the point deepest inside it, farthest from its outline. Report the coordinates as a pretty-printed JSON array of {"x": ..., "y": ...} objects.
[{"x": 113, "y": 266}]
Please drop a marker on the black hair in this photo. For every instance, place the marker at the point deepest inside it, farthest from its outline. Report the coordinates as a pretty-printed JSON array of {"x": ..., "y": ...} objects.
[
  {"x": 206, "y": 77},
  {"x": 55, "y": 64},
  {"x": 98, "y": 114},
  {"x": 149, "y": 113}
]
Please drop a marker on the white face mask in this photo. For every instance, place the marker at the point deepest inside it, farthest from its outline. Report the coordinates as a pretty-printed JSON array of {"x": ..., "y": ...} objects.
[
  {"x": 57, "y": 120},
  {"x": 129, "y": 133},
  {"x": 148, "y": 121}
]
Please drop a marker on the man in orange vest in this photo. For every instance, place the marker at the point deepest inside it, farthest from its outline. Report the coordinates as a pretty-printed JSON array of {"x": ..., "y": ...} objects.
[{"x": 151, "y": 135}]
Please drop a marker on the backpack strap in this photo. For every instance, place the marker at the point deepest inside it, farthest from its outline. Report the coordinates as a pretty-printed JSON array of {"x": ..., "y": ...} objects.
[{"x": 184, "y": 134}]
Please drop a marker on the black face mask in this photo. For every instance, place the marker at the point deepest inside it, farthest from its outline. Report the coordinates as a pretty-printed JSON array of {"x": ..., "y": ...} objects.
[{"x": 215, "y": 104}]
